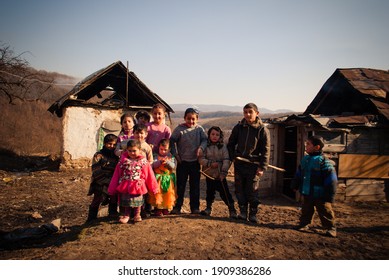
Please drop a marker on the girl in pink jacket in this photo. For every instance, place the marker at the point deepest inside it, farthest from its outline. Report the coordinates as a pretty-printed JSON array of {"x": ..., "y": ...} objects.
[{"x": 133, "y": 177}]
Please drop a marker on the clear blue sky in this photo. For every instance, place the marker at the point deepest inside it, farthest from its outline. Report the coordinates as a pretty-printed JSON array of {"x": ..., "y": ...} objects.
[{"x": 277, "y": 54}]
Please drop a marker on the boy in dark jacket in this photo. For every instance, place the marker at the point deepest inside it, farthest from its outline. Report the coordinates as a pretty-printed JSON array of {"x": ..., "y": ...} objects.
[
  {"x": 316, "y": 181},
  {"x": 103, "y": 166},
  {"x": 249, "y": 149}
]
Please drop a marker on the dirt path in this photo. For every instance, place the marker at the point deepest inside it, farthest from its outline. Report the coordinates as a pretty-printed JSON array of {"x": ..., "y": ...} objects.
[{"x": 363, "y": 228}]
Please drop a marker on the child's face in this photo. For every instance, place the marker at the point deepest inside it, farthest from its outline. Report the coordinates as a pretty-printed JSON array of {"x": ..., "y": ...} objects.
[
  {"x": 158, "y": 115},
  {"x": 310, "y": 148},
  {"x": 191, "y": 119},
  {"x": 127, "y": 123},
  {"x": 214, "y": 136},
  {"x": 140, "y": 135},
  {"x": 250, "y": 115},
  {"x": 110, "y": 145},
  {"x": 133, "y": 152},
  {"x": 163, "y": 150}
]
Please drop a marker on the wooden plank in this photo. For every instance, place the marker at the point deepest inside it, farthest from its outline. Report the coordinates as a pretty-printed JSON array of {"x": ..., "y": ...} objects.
[
  {"x": 365, "y": 198},
  {"x": 363, "y": 166},
  {"x": 350, "y": 182},
  {"x": 374, "y": 189}
]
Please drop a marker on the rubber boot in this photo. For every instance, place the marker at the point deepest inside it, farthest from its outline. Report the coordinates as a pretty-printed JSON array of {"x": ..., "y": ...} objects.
[
  {"x": 92, "y": 214},
  {"x": 253, "y": 214},
  {"x": 243, "y": 212}
]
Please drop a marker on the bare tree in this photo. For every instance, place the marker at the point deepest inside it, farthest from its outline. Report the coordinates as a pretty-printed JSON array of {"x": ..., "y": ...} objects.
[{"x": 17, "y": 79}]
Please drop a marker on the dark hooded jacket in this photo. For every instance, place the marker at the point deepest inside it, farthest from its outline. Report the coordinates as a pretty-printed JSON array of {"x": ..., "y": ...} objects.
[{"x": 250, "y": 141}]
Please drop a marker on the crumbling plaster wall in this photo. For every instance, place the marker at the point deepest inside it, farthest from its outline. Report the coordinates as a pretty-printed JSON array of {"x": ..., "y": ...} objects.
[{"x": 80, "y": 134}]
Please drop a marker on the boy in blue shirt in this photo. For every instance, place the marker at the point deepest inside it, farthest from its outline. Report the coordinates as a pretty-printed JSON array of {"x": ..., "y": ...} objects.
[{"x": 316, "y": 180}]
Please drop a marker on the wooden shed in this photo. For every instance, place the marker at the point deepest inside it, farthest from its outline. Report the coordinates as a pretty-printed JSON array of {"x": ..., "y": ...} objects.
[
  {"x": 351, "y": 113},
  {"x": 93, "y": 108}
]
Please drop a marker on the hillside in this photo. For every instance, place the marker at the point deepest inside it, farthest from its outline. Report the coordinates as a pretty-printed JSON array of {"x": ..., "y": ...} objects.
[
  {"x": 26, "y": 127},
  {"x": 27, "y": 115},
  {"x": 226, "y": 108}
]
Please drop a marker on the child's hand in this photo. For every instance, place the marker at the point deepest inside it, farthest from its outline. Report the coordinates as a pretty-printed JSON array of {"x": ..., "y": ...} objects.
[
  {"x": 259, "y": 172},
  {"x": 199, "y": 152}
]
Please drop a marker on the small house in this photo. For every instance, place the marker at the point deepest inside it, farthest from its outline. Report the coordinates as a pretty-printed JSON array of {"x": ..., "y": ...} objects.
[
  {"x": 351, "y": 113},
  {"x": 93, "y": 108}
]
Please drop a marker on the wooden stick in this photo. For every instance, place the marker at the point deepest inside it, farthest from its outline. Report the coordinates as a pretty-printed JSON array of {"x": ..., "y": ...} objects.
[{"x": 257, "y": 163}]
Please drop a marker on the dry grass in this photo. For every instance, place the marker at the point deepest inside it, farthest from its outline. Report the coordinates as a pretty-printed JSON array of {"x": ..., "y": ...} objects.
[{"x": 27, "y": 128}]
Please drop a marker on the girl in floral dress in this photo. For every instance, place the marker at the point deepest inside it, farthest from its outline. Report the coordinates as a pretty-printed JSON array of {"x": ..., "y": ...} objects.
[{"x": 133, "y": 177}]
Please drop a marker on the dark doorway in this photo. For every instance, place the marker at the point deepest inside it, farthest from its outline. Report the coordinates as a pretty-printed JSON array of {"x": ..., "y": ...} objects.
[{"x": 290, "y": 159}]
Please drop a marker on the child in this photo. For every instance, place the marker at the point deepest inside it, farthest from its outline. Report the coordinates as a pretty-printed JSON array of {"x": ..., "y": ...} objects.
[
  {"x": 127, "y": 122},
  {"x": 249, "y": 148},
  {"x": 157, "y": 129},
  {"x": 140, "y": 133},
  {"x": 164, "y": 166},
  {"x": 103, "y": 166},
  {"x": 215, "y": 163},
  {"x": 133, "y": 177},
  {"x": 186, "y": 142},
  {"x": 142, "y": 117},
  {"x": 317, "y": 181}
]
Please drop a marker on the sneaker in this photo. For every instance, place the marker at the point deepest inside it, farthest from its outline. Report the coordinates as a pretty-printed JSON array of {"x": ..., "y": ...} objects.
[
  {"x": 158, "y": 212},
  {"x": 137, "y": 219},
  {"x": 124, "y": 219},
  {"x": 206, "y": 212},
  {"x": 145, "y": 214},
  {"x": 176, "y": 211},
  {"x": 195, "y": 211},
  {"x": 165, "y": 212},
  {"x": 331, "y": 232}
]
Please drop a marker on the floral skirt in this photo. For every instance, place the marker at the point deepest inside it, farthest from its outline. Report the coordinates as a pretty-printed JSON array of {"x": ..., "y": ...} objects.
[{"x": 128, "y": 200}]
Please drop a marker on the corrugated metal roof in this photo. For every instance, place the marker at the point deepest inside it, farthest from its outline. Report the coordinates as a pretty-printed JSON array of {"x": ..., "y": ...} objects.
[
  {"x": 359, "y": 91},
  {"x": 329, "y": 122}
]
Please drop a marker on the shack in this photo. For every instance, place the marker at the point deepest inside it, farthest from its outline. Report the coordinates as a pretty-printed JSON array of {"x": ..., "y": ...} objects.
[
  {"x": 351, "y": 113},
  {"x": 93, "y": 108}
]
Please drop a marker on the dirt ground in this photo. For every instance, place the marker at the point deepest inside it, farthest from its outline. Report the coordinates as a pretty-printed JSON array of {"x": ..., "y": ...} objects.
[{"x": 29, "y": 200}]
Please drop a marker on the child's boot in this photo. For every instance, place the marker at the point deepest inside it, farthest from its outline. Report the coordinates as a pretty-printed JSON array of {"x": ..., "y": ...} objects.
[
  {"x": 253, "y": 214},
  {"x": 137, "y": 217},
  {"x": 92, "y": 214},
  {"x": 207, "y": 211},
  {"x": 243, "y": 212},
  {"x": 233, "y": 214}
]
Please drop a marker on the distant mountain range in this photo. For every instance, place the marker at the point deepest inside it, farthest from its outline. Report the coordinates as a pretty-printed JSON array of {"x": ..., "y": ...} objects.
[{"x": 227, "y": 108}]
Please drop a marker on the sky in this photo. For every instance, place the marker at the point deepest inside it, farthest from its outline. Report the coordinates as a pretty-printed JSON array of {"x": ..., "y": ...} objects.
[{"x": 277, "y": 54}]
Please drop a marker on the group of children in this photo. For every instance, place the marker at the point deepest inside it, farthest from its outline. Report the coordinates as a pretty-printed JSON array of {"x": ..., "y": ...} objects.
[{"x": 147, "y": 166}]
